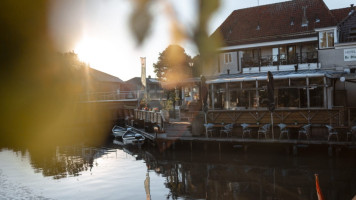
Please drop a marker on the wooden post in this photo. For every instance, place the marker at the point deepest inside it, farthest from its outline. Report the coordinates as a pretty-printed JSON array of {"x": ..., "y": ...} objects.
[
  {"x": 272, "y": 125},
  {"x": 295, "y": 150},
  {"x": 308, "y": 95},
  {"x": 219, "y": 151}
]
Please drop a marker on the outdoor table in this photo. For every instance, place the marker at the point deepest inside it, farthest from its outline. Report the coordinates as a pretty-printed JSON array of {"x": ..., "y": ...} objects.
[
  {"x": 293, "y": 129},
  {"x": 218, "y": 127},
  {"x": 342, "y": 130}
]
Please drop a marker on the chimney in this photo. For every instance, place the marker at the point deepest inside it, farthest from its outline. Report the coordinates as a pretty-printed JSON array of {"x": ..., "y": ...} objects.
[{"x": 304, "y": 19}]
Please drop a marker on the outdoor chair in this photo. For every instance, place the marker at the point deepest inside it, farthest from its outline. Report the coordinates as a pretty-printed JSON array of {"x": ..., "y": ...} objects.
[
  {"x": 332, "y": 132},
  {"x": 351, "y": 133},
  {"x": 305, "y": 130},
  {"x": 264, "y": 130},
  {"x": 283, "y": 130},
  {"x": 209, "y": 128},
  {"x": 245, "y": 130},
  {"x": 227, "y": 129},
  {"x": 165, "y": 118}
]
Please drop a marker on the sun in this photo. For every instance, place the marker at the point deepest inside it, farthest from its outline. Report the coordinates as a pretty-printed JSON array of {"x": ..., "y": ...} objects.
[
  {"x": 86, "y": 49},
  {"x": 99, "y": 53}
]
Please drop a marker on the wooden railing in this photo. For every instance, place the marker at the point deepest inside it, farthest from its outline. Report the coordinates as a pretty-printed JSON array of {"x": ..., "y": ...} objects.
[
  {"x": 149, "y": 116},
  {"x": 300, "y": 116}
]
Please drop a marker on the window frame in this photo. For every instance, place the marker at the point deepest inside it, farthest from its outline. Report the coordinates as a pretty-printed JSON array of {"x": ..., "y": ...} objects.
[
  {"x": 326, "y": 32},
  {"x": 227, "y": 58}
]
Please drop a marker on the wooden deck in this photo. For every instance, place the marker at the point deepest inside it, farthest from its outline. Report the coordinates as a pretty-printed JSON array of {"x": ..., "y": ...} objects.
[{"x": 179, "y": 132}]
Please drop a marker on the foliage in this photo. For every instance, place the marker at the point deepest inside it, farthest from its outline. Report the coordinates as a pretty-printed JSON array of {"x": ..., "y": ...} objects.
[
  {"x": 197, "y": 66},
  {"x": 172, "y": 64},
  {"x": 142, "y": 16}
]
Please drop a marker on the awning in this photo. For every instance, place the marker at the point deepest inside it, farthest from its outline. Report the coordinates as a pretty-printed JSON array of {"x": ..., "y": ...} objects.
[{"x": 276, "y": 76}]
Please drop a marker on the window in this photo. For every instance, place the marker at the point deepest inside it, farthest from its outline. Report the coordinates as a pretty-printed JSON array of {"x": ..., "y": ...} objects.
[
  {"x": 326, "y": 39},
  {"x": 228, "y": 58},
  {"x": 353, "y": 32}
]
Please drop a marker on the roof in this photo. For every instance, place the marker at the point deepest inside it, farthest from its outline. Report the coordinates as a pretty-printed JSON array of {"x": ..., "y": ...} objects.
[
  {"x": 152, "y": 80},
  {"x": 103, "y": 77},
  {"x": 134, "y": 81},
  {"x": 341, "y": 14},
  {"x": 276, "y": 75},
  {"x": 274, "y": 22}
]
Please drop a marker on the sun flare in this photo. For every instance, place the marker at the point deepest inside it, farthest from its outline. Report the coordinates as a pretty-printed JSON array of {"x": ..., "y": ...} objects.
[{"x": 86, "y": 49}]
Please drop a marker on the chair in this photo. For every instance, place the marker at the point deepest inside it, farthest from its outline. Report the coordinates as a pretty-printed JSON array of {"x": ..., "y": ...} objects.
[
  {"x": 305, "y": 130},
  {"x": 227, "y": 129},
  {"x": 245, "y": 130},
  {"x": 165, "y": 118},
  {"x": 283, "y": 130},
  {"x": 332, "y": 132},
  {"x": 264, "y": 130},
  {"x": 351, "y": 133},
  {"x": 209, "y": 128}
]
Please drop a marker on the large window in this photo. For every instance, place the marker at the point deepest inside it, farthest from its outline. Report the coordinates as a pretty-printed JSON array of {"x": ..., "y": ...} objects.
[
  {"x": 326, "y": 39},
  {"x": 227, "y": 58}
]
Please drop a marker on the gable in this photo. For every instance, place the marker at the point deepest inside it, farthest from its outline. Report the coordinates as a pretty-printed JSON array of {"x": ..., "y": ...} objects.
[{"x": 274, "y": 22}]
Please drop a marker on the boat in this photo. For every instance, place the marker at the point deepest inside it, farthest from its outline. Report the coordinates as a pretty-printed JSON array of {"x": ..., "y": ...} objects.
[
  {"x": 131, "y": 137},
  {"x": 118, "y": 131}
]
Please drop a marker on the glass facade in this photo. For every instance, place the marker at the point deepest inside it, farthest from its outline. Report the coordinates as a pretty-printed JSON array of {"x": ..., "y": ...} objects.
[{"x": 288, "y": 93}]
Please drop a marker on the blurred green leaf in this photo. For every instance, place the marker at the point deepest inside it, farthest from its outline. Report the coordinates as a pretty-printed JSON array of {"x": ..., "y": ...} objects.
[{"x": 140, "y": 20}]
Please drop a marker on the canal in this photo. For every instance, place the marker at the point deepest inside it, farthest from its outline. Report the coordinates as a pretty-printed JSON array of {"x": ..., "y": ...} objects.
[{"x": 113, "y": 171}]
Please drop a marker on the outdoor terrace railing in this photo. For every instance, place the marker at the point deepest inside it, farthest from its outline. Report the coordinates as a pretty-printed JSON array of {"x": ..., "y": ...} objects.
[
  {"x": 282, "y": 59},
  {"x": 149, "y": 116},
  {"x": 106, "y": 96},
  {"x": 286, "y": 116}
]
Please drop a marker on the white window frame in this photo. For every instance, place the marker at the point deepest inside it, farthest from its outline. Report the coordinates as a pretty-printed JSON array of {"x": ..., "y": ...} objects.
[
  {"x": 327, "y": 30},
  {"x": 227, "y": 58}
]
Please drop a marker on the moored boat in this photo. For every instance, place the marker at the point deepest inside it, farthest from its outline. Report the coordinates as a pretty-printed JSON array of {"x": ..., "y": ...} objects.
[
  {"x": 118, "y": 131},
  {"x": 131, "y": 137}
]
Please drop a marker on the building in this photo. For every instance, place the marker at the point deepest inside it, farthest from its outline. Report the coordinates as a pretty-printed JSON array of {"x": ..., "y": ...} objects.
[{"x": 310, "y": 50}]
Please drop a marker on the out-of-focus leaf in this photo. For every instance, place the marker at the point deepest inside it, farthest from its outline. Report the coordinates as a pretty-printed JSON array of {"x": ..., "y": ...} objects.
[
  {"x": 207, "y": 46},
  {"x": 140, "y": 20}
]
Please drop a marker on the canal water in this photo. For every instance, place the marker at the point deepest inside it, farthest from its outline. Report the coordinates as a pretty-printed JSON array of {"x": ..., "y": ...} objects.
[{"x": 116, "y": 172}]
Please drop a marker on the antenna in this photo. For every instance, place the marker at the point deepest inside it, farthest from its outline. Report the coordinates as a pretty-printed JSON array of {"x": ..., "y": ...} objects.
[{"x": 258, "y": 2}]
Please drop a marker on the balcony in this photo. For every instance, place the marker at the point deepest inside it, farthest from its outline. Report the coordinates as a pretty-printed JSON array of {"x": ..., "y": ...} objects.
[{"x": 281, "y": 62}]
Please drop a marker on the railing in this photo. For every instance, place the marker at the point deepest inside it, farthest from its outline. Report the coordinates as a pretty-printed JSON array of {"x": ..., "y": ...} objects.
[
  {"x": 347, "y": 38},
  {"x": 282, "y": 59},
  {"x": 149, "y": 116},
  {"x": 106, "y": 96},
  {"x": 287, "y": 116}
]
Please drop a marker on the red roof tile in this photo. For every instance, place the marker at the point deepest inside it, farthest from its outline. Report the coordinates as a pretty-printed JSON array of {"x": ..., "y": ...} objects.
[
  {"x": 341, "y": 14},
  {"x": 274, "y": 21}
]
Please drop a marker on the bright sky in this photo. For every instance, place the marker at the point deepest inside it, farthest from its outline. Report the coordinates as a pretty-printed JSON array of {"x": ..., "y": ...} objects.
[{"x": 98, "y": 31}]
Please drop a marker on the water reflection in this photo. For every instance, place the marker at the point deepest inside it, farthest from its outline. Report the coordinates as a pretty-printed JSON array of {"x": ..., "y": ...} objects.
[
  {"x": 254, "y": 176},
  {"x": 198, "y": 175}
]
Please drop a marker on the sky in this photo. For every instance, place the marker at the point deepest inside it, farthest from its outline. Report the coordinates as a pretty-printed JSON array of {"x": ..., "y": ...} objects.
[{"x": 98, "y": 30}]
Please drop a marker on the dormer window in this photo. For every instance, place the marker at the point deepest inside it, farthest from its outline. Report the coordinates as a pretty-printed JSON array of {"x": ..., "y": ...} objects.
[
  {"x": 258, "y": 28},
  {"x": 326, "y": 39},
  {"x": 317, "y": 19},
  {"x": 292, "y": 21},
  {"x": 227, "y": 57}
]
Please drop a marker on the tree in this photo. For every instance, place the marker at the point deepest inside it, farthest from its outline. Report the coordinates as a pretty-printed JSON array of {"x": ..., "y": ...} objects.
[
  {"x": 173, "y": 65},
  {"x": 197, "y": 69}
]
